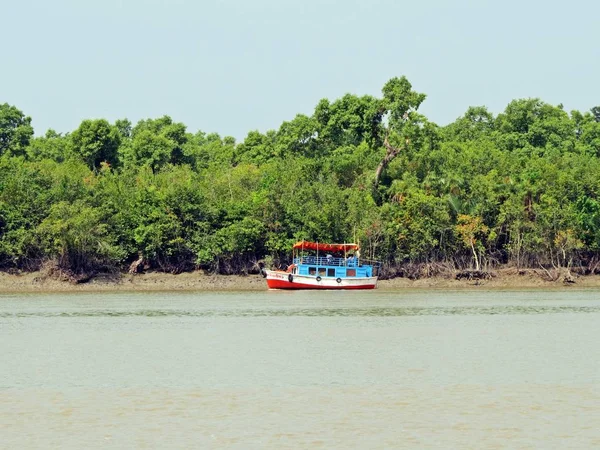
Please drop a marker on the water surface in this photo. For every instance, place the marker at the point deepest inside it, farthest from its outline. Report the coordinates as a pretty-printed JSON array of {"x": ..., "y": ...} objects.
[{"x": 380, "y": 369}]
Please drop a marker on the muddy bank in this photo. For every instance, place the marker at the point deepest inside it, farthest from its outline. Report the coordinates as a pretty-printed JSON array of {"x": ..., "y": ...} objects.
[
  {"x": 152, "y": 281},
  {"x": 198, "y": 281}
]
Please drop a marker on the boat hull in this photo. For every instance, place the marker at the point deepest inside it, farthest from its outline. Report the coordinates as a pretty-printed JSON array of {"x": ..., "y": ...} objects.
[{"x": 284, "y": 280}]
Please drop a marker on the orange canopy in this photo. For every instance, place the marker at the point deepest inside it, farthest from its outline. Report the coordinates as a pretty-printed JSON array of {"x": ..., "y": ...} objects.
[{"x": 318, "y": 246}]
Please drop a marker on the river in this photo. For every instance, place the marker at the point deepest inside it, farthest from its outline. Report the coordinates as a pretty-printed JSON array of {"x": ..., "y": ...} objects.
[{"x": 380, "y": 369}]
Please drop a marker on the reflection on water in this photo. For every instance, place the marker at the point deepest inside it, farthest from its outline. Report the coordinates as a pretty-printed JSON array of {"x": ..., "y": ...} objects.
[{"x": 397, "y": 369}]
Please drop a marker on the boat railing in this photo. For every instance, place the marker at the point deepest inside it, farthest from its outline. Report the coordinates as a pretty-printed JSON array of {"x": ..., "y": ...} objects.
[
  {"x": 376, "y": 265},
  {"x": 371, "y": 262},
  {"x": 329, "y": 261}
]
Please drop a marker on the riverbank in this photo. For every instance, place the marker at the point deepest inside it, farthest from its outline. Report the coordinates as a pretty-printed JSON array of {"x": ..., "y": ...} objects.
[{"x": 199, "y": 281}]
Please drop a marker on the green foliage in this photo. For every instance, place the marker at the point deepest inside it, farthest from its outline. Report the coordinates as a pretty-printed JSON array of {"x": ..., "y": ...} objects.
[
  {"x": 15, "y": 131},
  {"x": 522, "y": 187},
  {"x": 25, "y": 193},
  {"x": 52, "y": 146},
  {"x": 148, "y": 149},
  {"x": 96, "y": 141},
  {"x": 420, "y": 225},
  {"x": 399, "y": 99},
  {"x": 476, "y": 123},
  {"x": 76, "y": 234},
  {"x": 348, "y": 121},
  {"x": 257, "y": 148}
]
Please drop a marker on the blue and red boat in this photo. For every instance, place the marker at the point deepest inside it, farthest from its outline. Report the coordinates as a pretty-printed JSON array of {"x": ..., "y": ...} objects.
[{"x": 325, "y": 266}]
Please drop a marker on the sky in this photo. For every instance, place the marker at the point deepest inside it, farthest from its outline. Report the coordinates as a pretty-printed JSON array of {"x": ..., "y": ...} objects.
[{"x": 234, "y": 66}]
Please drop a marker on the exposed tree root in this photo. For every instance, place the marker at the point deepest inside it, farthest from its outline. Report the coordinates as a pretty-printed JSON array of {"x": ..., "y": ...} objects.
[
  {"x": 473, "y": 275},
  {"x": 51, "y": 269}
]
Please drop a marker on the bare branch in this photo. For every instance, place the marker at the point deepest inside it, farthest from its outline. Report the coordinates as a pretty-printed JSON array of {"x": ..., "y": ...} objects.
[{"x": 390, "y": 154}]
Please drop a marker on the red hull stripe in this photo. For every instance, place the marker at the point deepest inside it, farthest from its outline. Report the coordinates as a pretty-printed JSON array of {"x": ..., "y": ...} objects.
[{"x": 283, "y": 284}]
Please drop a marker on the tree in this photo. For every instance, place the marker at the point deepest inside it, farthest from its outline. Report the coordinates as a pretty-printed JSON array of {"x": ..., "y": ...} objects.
[
  {"x": 76, "y": 234},
  {"x": 149, "y": 149},
  {"x": 25, "y": 196},
  {"x": 155, "y": 143},
  {"x": 53, "y": 146},
  {"x": 96, "y": 141},
  {"x": 257, "y": 148},
  {"x": 477, "y": 122},
  {"x": 399, "y": 106},
  {"x": 535, "y": 126},
  {"x": 298, "y": 137},
  {"x": 15, "y": 130},
  {"x": 471, "y": 231},
  {"x": 349, "y": 120},
  {"x": 418, "y": 224},
  {"x": 124, "y": 128}
]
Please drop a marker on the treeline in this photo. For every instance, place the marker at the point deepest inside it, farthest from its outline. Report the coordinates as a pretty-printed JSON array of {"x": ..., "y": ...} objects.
[{"x": 519, "y": 188}]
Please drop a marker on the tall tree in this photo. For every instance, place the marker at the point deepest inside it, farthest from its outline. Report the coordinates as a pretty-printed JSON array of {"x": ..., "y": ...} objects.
[
  {"x": 349, "y": 120},
  {"x": 15, "y": 130},
  {"x": 96, "y": 141},
  {"x": 155, "y": 142},
  {"x": 399, "y": 106}
]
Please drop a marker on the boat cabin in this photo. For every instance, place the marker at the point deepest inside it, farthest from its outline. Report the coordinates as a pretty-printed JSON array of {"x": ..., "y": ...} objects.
[{"x": 331, "y": 261}]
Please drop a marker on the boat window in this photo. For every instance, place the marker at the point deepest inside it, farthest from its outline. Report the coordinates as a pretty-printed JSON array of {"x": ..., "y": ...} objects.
[
  {"x": 350, "y": 272},
  {"x": 322, "y": 271},
  {"x": 331, "y": 272},
  {"x": 312, "y": 270}
]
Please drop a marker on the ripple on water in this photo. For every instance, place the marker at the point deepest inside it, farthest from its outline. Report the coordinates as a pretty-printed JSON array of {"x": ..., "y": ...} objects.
[{"x": 313, "y": 312}]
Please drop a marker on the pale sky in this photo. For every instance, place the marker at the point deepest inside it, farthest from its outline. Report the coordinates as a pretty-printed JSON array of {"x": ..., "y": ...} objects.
[{"x": 232, "y": 66}]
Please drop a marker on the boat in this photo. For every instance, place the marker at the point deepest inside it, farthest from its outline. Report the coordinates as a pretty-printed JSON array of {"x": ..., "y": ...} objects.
[{"x": 317, "y": 265}]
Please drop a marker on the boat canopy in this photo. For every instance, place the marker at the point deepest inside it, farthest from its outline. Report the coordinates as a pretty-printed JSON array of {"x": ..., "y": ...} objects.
[{"x": 319, "y": 246}]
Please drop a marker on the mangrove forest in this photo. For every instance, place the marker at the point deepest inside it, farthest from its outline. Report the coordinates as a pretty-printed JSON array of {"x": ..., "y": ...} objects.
[{"x": 520, "y": 188}]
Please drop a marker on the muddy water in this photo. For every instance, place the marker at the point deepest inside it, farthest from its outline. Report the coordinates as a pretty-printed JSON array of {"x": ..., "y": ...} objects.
[{"x": 383, "y": 369}]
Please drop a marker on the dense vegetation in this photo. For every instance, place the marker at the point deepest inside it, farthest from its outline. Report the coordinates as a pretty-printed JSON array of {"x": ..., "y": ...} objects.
[{"x": 521, "y": 188}]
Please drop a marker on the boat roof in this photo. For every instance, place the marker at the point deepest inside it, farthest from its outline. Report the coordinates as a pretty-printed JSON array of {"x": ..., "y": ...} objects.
[{"x": 319, "y": 246}]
